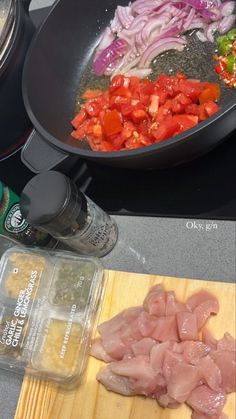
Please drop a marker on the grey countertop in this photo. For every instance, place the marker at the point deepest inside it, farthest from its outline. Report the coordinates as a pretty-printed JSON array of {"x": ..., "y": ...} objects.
[
  {"x": 174, "y": 247},
  {"x": 202, "y": 249}
]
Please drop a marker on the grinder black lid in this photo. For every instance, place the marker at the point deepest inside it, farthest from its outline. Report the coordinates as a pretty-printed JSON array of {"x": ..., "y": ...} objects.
[{"x": 52, "y": 203}]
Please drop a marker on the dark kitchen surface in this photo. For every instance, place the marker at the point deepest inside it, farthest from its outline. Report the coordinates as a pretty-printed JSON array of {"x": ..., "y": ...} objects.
[{"x": 203, "y": 188}]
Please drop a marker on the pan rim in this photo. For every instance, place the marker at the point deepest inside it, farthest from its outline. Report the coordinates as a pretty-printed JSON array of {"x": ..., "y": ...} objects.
[{"x": 179, "y": 139}]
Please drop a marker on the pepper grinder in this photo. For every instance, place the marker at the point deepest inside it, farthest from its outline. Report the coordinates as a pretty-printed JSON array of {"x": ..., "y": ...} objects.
[{"x": 52, "y": 202}]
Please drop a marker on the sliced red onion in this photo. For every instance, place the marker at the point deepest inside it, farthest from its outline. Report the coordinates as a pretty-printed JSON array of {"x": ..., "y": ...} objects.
[
  {"x": 226, "y": 23},
  {"x": 109, "y": 55},
  {"x": 129, "y": 34},
  {"x": 160, "y": 46},
  {"x": 197, "y": 24},
  {"x": 131, "y": 65},
  {"x": 145, "y": 27},
  {"x": 197, "y": 4},
  {"x": 201, "y": 36},
  {"x": 125, "y": 16},
  {"x": 115, "y": 25},
  {"x": 216, "y": 14},
  {"x": 107, "y": 38},
  {"x": 137, "y": 21},
  {"x": 227, "y": 8},
  {"x": 154, "y": 25},
  {"x": 212, "y": 28},
  {"x": 138, "y": 72},
  {"x": 189, "y": 19},
  {"x": 144, "y": 6}
]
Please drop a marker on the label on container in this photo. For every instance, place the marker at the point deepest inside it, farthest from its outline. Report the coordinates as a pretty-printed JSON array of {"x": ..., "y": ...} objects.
[
  {"x": 14, "y": 322},
  {"x": 14, "y": 221},
  {"x": 13, "y": 224}
]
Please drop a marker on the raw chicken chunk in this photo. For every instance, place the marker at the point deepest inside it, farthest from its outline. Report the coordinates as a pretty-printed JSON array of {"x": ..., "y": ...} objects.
[
  {"x": 155, "y": 350},
  {"x": 226, "y": 361},
  {"x": 115, "y": 382},
  {"x": 207, "y": 401},
  {"x": 187, "y": 325},
  {"x": 155, "y": 301}
]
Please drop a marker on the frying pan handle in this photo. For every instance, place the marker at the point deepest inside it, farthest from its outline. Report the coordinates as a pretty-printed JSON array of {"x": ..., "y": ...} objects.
[
  {"x": 38, "y": 155},
  {"x": 26, "y": 4}
]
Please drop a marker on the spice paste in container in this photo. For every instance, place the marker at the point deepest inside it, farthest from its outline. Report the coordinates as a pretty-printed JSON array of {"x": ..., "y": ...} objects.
[{"x": 48, "y": 303}]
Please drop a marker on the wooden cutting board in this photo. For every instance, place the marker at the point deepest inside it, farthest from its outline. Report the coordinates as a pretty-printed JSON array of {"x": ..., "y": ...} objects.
[{"x": 44, "y": 400}]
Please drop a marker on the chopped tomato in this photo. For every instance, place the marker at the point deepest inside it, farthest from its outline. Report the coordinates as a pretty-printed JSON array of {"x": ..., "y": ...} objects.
[
  {"x": 139, "y": 115},
  {"x": 112, "y": 122},
  {"x": 186, "y": 121},
  {"x": 119, "y": 81},
  {"x": 92, "y": 108},
  {"x": 79, "y": 118},
  {"x": 211, "y": 92},
  {"x": 122, "y": 91},
  {"x": 134, "y": 113},
  {"x": 207, "y": 109},
  {"x": 117, "y": 102},
  {"x": 154, "y": 105},
  {"x": 91, "y": 94},
  {"x": 106, "y": 146},
  {"x": 165, "y": 129}
]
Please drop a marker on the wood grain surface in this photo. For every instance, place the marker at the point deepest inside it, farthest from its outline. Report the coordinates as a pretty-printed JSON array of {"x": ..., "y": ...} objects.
[{"x": 90, "y": 400}]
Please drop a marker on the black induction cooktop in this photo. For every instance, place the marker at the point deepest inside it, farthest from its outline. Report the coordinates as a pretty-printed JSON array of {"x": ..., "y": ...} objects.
[{"x": 202, "y": 188}]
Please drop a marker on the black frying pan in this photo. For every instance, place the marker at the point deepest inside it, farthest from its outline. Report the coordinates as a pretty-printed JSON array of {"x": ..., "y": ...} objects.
[{"x": 58, "y": 67}]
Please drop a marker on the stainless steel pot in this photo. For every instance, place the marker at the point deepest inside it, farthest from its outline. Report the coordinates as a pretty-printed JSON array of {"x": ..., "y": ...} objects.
[{"x": 16, "y": 30}]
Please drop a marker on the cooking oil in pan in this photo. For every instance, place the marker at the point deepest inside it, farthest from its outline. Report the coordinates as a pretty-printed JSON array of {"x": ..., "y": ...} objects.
[{"x": 195, "y": 61}]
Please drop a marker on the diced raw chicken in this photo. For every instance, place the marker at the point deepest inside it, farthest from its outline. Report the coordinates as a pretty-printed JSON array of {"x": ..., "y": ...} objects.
[
  {"x": 204, "y": 310},
  {"x": 208, "y": 339},
  {"x": 226, "y": 361},
  {"x": 130, "y": 333},
  {"x": 227, "y": 343},
  {"x": 157, "y": 355},
  {"x": 170, "y": 361},
  {"x": 210, "y": 373},
  {"x": 166, "y": 401},
  {"x": 172, "y": 305},
  {"x": 140, "y": 373},
  {"x": 199, "y": 298},
  {"x": 155, "y": 350},
  {"x": 183, "y": 379},
  {"x": 115, "y": 324},
  {"x": 120, "y": 332},
  {"x": 178, "y": 347},
  {"x": 143, "y": 346},
  {"x": 155, "y": 301},
  {"x": 114, "y": 346},
  {"x": 194, "y": 350},
  {"x": 203, "y": 304},
  {"x": 97, "y": 350},
  {"x": 165, "y": 329},
  {"x": 114, "y": 382},
  {"x": 207, "y": 401},
  {"x": 187, "y": 325},
  {"x": 147, "y": 323}
]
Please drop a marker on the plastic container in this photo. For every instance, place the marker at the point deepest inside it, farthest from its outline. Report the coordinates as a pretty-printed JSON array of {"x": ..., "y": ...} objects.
[{"x": 48, "y": 306}]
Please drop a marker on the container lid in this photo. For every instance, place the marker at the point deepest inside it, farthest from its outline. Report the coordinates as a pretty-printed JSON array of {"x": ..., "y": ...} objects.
[
  {"x": 6, "y": 243},
  {"x": 48, "y": 305},
  {"x": 52, "y": 202}
]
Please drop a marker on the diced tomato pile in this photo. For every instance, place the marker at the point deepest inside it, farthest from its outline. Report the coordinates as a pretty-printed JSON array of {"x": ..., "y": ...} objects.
[{"x": 133, "y": 113}]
